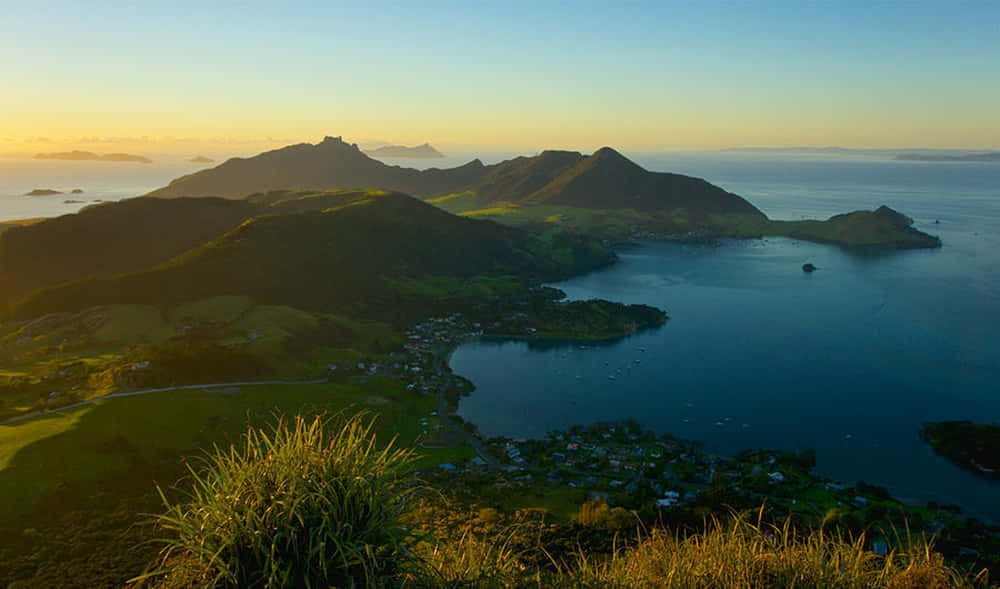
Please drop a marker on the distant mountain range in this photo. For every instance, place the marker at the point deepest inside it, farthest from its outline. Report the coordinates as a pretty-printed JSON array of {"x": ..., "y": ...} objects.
[
  {"x": 331, "y": 164},
  {"x": 605, "y": 179},
  {"x": 401, "y": 151},
  {"x": 88, "y": 155},
  {"x": 603, "y": 194}
]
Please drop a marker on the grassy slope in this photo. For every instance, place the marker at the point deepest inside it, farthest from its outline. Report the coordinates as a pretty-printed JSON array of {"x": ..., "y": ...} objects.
[
  {"x": 86, "y": 476},
  {"x": 96, "y": 348},
  {"x": 857, "y": 229}
]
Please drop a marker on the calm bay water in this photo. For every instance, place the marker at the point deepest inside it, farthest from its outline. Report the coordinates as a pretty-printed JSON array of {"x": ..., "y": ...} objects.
[{"x": 849, "y": 360}]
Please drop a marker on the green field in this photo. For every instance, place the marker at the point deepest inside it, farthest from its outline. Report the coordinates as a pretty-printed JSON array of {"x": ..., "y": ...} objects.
[{"x": 88, "y": 475}]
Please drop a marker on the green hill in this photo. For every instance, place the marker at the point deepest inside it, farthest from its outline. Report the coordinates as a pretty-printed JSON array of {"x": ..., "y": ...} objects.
[
  {"x": 108, "y": 239},
  {"x": 350, "y": 255}
]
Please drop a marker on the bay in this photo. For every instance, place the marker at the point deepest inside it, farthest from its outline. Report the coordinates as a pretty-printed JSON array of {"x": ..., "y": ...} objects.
[{"x": 849, "y": 360}]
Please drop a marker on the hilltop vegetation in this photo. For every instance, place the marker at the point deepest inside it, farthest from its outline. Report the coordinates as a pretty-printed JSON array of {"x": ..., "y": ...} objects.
[{"x": 108, "y": 239}]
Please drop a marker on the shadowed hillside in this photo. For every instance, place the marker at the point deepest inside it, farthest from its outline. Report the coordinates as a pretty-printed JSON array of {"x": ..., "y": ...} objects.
[
  {"x": 346, "y": 255},
  {"x": 108, "y": 239}
]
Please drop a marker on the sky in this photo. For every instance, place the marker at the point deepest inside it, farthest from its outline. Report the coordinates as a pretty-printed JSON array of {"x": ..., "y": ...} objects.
[{"x": 641, "y": 76}]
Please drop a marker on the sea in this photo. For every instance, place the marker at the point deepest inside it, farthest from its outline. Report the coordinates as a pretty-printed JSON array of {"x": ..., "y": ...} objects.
[{"x": 849, "y": 360}]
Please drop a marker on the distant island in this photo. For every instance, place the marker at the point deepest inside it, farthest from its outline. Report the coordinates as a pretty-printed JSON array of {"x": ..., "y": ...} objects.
[
  {"x": 76, "y": 191},
  {"x": 200, "y": 159},
  {"x": 42, "y": 192},
  {"x": 973, "y": 446},
  {"x": 420, "y": 151},
  {"x": 990, "y": 156},
  {"x": 91, "y": 156}
]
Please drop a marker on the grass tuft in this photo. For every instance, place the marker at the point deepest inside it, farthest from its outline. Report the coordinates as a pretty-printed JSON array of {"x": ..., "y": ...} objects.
[{"x": 309, "y": 503}]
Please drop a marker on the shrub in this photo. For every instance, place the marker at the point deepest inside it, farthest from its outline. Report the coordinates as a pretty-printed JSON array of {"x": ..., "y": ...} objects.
[{"x": 305, "y": 504}]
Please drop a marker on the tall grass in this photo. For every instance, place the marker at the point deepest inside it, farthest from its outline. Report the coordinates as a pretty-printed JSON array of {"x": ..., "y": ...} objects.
[
  {"x": 743, "y": 554},
  {"x": 307, "y": 504}
]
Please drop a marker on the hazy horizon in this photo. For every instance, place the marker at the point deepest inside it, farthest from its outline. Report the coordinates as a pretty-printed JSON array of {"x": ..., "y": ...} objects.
[{"x": 221, "y": 150}]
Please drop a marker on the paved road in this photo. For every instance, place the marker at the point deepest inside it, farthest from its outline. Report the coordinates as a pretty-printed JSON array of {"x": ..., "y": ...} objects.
[{"x": 215, "y": 385}]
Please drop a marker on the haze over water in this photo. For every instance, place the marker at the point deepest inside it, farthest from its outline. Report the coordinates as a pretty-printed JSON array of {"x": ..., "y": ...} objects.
[{"x": 849, "y": 360}]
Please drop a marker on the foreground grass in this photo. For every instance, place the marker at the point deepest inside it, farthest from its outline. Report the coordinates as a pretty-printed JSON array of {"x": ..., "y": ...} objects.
[
  {"x": 74, "y": 485},
  {"x": 740, "y": 553},
  {"x": 305, "y": 505},
  {"x": 732, "y": 553}
]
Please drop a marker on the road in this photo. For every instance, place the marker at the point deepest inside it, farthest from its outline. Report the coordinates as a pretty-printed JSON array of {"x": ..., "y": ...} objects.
[{"x": 441, "y": 366}]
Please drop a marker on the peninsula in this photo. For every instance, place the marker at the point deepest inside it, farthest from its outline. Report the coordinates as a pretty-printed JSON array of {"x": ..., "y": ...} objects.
[{"x": 973, "y": 446}]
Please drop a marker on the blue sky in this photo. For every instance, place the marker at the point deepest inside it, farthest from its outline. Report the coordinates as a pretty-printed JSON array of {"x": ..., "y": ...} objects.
[{"x": 642, "y": 75}]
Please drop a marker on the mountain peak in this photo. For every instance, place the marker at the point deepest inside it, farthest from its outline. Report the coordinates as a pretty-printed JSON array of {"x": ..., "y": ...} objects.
[{"x": 609, "y": 154}]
